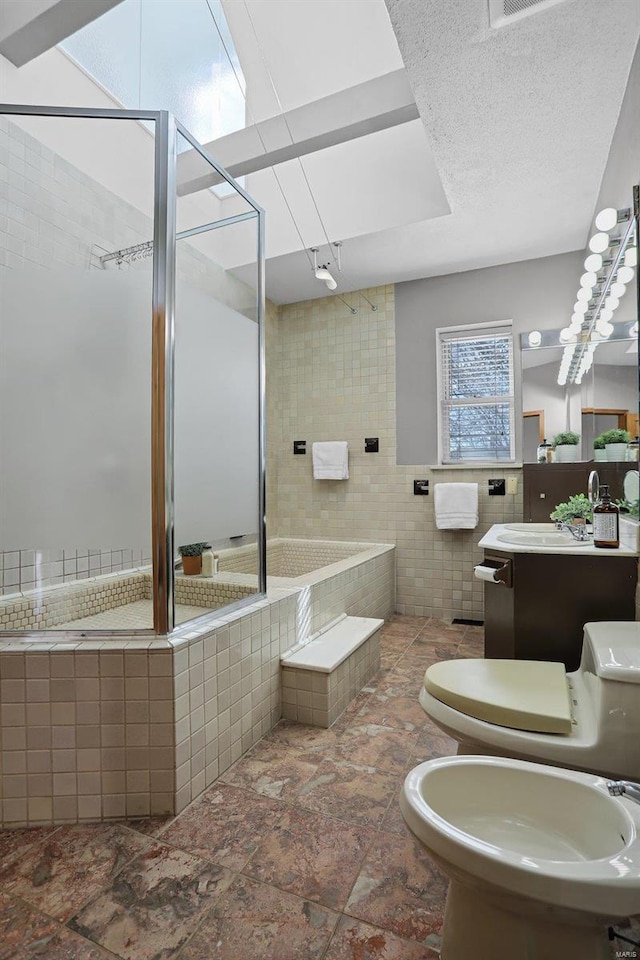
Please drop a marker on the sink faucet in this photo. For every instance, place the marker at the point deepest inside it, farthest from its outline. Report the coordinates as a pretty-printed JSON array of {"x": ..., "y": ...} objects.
[
  {"x": 578, "y": 533},
  {"x": 623, "y": 788}
]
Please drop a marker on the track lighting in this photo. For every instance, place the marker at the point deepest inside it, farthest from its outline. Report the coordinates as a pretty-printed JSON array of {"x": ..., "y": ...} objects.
[{"x": 321, "y": 272}]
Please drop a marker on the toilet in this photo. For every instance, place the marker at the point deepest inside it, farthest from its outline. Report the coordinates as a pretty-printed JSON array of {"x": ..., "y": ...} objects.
[
  {"x": 541, "y": 860},
  {"x": 588, "y": 719}
]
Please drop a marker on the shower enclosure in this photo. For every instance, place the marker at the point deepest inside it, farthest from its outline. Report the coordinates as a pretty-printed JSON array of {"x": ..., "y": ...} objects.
[{"x": 131, "y": 374}]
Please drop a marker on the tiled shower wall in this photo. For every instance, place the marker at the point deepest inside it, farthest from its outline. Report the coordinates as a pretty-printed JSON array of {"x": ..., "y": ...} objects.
[{"x": 331, "y": 376}]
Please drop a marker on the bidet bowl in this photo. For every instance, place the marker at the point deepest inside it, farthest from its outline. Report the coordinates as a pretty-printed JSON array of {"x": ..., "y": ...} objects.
[{"x": 534, "y": 832}]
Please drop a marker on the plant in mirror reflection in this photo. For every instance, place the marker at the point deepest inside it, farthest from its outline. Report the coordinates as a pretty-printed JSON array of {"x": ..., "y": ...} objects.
[{"x": 629, "y": 507}]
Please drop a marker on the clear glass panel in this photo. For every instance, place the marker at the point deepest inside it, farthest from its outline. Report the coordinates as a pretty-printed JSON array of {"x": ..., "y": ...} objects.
[
  {"x": 75, "y": 374},
  {"x": 216, "y": 389}
]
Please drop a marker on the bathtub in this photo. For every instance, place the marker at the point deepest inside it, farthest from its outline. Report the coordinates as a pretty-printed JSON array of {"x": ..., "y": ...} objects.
[{"x": 178, "y": 710}]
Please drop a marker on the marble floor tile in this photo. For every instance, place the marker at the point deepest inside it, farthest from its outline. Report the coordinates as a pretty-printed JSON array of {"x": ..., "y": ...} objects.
[
  {"x": 150, "y": 826},
  {"x": 347, "y": 717},
  {"x": 26, "y": 933},
  {"x": 313, "y": 856},
  {"x": 278, "y": 780},
  {"x": 470, "y": 650},
  {"x": 14, "y": 844},
  {"x": 403, "y": 681},
  {"x": 154, "y": 905},
  {"x": 348, "y": 792},
  {"x": 432, "y": 742},
  {"x": 401, "y": 713},
  {"x": 400, "y": 889},
  {"x": 354, "y": 940},
  {"x": 224, "y": 825},
  {"x": 65, "y": 870},
  {"x": 393, "y": 821},
  {"x": 374, "y": 745},
  {"x": 430, "y": 651},
  {"x": 253, "y": 921},
  {"x": 298, "y": 735}
]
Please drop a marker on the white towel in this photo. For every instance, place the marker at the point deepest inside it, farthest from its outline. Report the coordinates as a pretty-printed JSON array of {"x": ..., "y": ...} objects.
[
  {"x": 456, "y": 506},
  {"x": 331, "y": 460}
]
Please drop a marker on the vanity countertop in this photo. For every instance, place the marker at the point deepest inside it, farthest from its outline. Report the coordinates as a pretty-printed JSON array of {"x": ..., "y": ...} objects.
[{"x": 628, "y": 533}]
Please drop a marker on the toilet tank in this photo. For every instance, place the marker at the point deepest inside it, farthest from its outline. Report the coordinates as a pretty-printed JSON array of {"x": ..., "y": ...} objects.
[{"x": 610, "y": 670}]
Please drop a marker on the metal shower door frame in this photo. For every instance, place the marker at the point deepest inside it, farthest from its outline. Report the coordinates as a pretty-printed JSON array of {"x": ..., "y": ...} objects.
[{"x": 163, "y": 347}]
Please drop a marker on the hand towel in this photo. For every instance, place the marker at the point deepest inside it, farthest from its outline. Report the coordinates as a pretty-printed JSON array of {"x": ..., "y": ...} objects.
[
  {"x": 331, "y": 460},
  {"x": 456, "y": 506}
]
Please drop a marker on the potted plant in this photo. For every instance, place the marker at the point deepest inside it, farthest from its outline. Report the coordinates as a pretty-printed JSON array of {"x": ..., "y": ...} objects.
[
  {"x": 599, "y": 452},
  {"x": 566, "y": 447},
  {"x": 577, "y": 509},
  {"x": 615, "y": 443},
  {"x": 191, "y": 554}
]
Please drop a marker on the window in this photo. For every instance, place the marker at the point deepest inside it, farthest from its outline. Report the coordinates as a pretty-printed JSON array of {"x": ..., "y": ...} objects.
[
  {"x": 476, "y": 391},
  {"x": 175, "y": 55}
]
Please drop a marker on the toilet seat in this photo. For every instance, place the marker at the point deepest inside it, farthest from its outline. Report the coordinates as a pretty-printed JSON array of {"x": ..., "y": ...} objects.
[{"x": 521, "y": 694}]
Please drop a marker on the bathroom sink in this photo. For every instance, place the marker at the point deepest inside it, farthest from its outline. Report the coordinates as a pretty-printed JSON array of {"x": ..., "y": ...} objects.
[
  {"x": 531, "y": 527},
  {"x": 554, "y": 538}
]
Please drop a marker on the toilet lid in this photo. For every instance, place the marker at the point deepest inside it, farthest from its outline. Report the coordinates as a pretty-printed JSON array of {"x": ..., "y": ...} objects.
[{"x": 522, "y": 694}]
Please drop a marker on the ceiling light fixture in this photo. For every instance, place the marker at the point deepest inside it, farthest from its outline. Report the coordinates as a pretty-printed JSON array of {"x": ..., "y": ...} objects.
[
  {"x": 535, "y": 338},
  {"x": 321, "y": 271}
]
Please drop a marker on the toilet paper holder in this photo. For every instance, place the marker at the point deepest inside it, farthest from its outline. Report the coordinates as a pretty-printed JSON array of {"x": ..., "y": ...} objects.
[{"x": 495, "y": 570}]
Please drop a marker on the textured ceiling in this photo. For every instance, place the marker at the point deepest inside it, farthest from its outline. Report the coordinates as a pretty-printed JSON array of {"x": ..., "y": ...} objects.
[{"x": 518, "y": 120}]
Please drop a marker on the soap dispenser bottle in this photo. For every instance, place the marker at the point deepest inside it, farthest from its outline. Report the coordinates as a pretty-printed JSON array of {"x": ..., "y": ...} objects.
[
  {"x": 606, "y": 521},
  {"x": 208, "y": 564}
]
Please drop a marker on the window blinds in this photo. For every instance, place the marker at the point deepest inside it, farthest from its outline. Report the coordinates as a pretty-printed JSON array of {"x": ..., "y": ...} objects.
[{"x": 476, "y": 395}]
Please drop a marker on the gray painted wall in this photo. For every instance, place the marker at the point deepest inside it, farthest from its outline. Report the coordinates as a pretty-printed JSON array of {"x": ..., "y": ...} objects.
[{"x": 535, "y": 294}]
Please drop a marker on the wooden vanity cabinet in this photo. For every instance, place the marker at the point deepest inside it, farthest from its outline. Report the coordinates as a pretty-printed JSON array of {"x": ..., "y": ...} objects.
[{"x": 542, "y": 614}]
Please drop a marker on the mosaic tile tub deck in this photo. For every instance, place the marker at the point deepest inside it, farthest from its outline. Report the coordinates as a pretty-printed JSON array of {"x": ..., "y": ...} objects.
[{"x": 99, "y": 728}]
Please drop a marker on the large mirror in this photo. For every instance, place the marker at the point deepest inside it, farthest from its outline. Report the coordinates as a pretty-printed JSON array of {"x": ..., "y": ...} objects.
[{"x": 606, "y": 398}]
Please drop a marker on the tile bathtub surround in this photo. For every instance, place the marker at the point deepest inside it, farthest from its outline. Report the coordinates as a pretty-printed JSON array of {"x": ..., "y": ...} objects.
[
  {"x": 318, "y": 699},
  {"x": 332, "y": 376}
]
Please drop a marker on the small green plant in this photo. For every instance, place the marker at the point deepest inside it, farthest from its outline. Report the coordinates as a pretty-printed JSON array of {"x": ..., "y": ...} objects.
[
  {"x": 630, "y": 507},
  {"x": 598, "y": 443},
  {"x": 567, "y": 439},
  {"x": 576, "y": 508},
  {"x": 615, "y": 436},
  {"x": 193, "y": 549}
]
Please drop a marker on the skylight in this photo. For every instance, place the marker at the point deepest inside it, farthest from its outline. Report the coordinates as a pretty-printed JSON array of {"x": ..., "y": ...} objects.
[{"x": 174, "y": 55}]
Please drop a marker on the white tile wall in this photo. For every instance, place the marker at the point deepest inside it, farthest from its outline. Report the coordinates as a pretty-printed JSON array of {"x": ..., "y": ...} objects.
[{"x": 331, "y": 376}]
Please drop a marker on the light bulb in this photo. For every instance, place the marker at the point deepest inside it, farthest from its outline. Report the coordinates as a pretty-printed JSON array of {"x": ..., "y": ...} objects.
[
  {"x": 606, "y": 315},
  {"x": 535, "y": 338},
  {"x": 604, "y": 329},
  {"x": 565, "y": 334},
  {"x": 593, "y": 262},
  {"x": 584, "y": 294},
  {"x": 631, "y": 257},
  {"x": 611, "y": 303},
  {"x": 617, "y": 289},
  {"x": 607, "y": 219},
  {"x": 580, "y": 306},
  {"x": 625, "y": 274},
  {"x": 588, "y": 279},
  {"x": 599, "y": 242}
]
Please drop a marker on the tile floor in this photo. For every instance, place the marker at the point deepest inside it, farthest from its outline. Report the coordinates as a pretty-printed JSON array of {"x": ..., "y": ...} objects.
[{"x": 298, "y": 852}]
